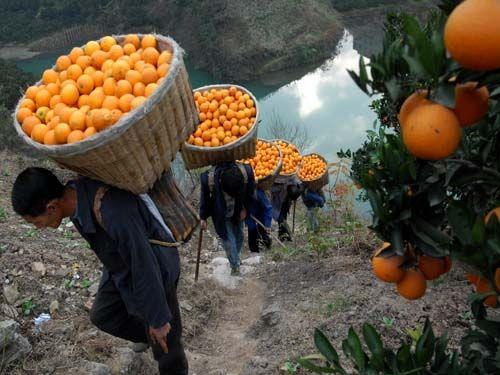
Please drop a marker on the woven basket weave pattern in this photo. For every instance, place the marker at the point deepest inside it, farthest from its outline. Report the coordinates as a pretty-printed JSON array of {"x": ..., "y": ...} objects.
[{"x": 133, "y": 153}]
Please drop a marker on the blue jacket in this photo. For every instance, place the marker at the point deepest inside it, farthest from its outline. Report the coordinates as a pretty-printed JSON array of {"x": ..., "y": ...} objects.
[
  {"x": 143, "y": 273},
  {"x": 313, "y": 199},
  {"x": 213, "y": 204},
  {"x": 261, "y": 209}
]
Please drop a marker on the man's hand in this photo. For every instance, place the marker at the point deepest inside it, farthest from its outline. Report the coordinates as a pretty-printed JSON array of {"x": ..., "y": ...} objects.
[
  {"x": 243, "y": 214},
  {"x": 203, "y": 224},
  {"x": 159, "y": 336}
]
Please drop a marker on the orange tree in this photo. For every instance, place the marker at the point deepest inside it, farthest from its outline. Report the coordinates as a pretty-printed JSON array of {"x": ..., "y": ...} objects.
[{"x": 431, "y": 172}]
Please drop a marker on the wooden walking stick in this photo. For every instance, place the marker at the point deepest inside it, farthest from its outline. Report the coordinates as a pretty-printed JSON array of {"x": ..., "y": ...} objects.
[
  {"x": 198, "y": 256},
  {"x": 293, "y": 219}
]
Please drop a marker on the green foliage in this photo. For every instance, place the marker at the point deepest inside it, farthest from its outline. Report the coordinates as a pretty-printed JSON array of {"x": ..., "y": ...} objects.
[
  {"x": 28, "y": 306},
  {"x": 12, "y": 82},
  {"x": 435, "y": 208},
  {"x": 3, "y": 214},
  {"x": 85, "y": 284},
  {"x": 427, "y": 355}
]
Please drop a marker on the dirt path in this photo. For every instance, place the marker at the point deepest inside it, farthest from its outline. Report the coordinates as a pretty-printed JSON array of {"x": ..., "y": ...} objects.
[{"x": 230, "y": 345}]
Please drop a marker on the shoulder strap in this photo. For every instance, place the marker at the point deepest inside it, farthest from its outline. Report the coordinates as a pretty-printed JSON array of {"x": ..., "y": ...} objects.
[
  {"x": 101, "y": 191},
  {"x": 243, "y": 171},
  {"x": 211, "y": 179}
]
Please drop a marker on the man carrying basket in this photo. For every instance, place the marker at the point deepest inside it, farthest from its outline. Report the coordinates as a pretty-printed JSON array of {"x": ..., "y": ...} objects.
[
  {"x": 227, "y": 195},
  {"x": 137, "y": 296}
]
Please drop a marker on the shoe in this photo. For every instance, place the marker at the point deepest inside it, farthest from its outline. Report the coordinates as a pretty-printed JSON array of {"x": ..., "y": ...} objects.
[
  {"x": 235, "y": 271},
  {"x": 140, "y": 347}
]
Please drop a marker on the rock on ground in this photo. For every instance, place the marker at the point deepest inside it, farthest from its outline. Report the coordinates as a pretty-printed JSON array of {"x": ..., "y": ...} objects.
[{"x": 13, "y": 346}]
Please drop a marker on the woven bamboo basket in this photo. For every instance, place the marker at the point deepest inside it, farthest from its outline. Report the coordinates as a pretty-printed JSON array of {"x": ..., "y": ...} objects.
[
  {"x": 284, "y": 178},
  {"x": 180, "y": 217},
  {"x": 266, "y": 182},
  {"x": 242, "y": 148},
  {"x": 319, "y": 182},
  {"x": 133, "y": 153}
]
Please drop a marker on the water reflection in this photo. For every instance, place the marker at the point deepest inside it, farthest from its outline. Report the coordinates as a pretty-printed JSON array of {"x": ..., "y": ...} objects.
[{"x": 327, "y": 102}]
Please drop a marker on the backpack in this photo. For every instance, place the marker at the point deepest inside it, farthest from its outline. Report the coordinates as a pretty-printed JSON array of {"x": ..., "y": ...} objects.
[{"x": 101, "y": 191}]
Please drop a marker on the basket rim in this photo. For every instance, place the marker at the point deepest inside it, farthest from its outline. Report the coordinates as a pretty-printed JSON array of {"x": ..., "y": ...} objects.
[
  {"x": 240, "y": 140},
  {"x": 75, "y": 149},
  {"x": 290, "y": 143},
  {"x": 300, "y": 166},
  {"x": 278, "y": 167}
]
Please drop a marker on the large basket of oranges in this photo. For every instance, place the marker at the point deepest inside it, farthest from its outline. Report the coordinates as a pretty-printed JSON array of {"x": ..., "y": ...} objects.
[
  {"x": 117, "y": 110},
  {"x": 313, "y": 171},
  {"x": 291, "y": 160},
  {"x": 227, "y": 128},
  {"x": 266, "y": 164}
]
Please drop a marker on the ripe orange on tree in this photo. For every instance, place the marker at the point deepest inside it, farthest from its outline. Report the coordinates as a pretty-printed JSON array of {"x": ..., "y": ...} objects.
[
  {"x": 388, "y": 269},
  {"x": 431, "y": 132},
  {"x": 413, "y": 284},
  {"x": 471, "y": 103},
  {"x": 472, "y": 34}
]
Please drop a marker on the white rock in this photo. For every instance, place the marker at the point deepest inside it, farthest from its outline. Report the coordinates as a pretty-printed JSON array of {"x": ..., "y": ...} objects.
[
  {"x": 38, "y": 268},
  {"x": 11, "y": 293},
  {"x": 253, "y": 260}
]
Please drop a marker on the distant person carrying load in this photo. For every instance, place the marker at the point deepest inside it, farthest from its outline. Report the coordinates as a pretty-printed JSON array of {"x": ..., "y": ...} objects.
[
  {"x": 137, "y": 296},
  {"x": 283, "y": 194},
  {"x": 313, "y": 200},
  {"x": 259, "y": 222},
  {"x": 227, "y": 194}
]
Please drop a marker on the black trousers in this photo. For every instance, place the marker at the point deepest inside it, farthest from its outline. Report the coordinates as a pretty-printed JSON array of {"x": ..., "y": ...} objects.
[{"x": 110, "y": 315}]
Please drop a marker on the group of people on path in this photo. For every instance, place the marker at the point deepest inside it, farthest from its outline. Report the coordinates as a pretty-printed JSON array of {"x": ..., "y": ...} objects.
[
  {"x": 137, "y": 295},
  {"x": 231, "y": 197}
]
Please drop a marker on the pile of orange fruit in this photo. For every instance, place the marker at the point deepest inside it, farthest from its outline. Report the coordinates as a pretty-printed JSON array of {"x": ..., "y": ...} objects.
[
  {"x": 291, "y": 157},
  {"x": 411, "y": 281},
  {"x": 265, "y": 161},
  {"x": 311, "y": 168},
  {"x": 91, "y": 88},
  {"x": 225, "y": 115}
]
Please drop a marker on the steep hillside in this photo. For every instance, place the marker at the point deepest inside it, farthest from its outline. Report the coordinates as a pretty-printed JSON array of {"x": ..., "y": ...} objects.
[{"x": 232, "y": 39}]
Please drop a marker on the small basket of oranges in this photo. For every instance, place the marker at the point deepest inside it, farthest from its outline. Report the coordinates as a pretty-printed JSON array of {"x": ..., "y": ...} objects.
[
  {"x": 313, "y": 171},
  {"x": 266, "y": 163},
  {"x": 227, "y": 127},
  {"x": 291, "y": 160},
  {"x": 116, "y": 110}
]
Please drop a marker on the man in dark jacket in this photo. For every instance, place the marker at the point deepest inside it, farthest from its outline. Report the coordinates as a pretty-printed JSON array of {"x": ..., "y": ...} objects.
[
  {"x": 137, "y": 297},
  {"x": 227, "y": 193},
  {"x": 262, "y": 210},
  {"x": 283, "y": 195},
  {"x": 313, "y": 200}
]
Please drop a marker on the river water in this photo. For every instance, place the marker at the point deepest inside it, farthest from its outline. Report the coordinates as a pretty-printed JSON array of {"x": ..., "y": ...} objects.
[{"x": 326, "y": 101}]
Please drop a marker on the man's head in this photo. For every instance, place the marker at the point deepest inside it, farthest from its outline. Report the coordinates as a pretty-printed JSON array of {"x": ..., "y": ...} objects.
[
  {"x": 232, "y": 180},
  {"x": 37, "y": 196}
]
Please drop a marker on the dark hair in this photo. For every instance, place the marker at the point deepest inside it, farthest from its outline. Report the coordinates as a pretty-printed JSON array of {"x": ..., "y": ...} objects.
[
  {"x": 33, "y": 189},
  {"x": 232, "y": 180}
]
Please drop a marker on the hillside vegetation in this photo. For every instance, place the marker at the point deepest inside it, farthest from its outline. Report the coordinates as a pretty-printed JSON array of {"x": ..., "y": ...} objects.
[{"x": 233, "y": 39}]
